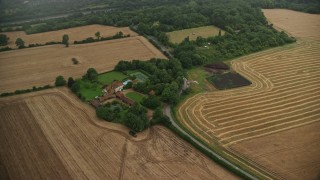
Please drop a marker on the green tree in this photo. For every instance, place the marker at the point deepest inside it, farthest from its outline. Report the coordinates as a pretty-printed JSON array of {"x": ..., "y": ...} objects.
[
  {"x": 159, "y": 117},
  {"x": 75, "y": 87},
  {"x": 92, "y": 74},
  {"x": 156, "y": 117},
  {"x": 151, "y": 102},
  {"x": 70, "y": 82},
  {"x": 98, "y": 35},
  {"x": 3, "y": 40},
  {"x": 170, "y": 93},
  {"x": 20, "y": 43},
  {"x": 136, "y": 118},
  {"x": 104, "y": 113},
  {"x": 60, "y": 81},
  {"x": 65, "y": 40}
]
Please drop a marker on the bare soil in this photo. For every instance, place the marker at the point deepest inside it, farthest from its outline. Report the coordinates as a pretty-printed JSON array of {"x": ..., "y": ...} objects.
[
  {"x": 77, "y": 33},
  {"x": 22, "y": 69},
  {"x": 53, "y": 135}
]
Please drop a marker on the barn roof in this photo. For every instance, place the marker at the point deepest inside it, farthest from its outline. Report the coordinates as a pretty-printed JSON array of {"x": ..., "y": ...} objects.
[{"x": 95, "y": 103}]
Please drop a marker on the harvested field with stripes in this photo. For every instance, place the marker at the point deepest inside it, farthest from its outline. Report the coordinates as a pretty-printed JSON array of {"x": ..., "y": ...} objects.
[
  {"x": 274, "y": 123},
  {"x": 53, "y": 135}
]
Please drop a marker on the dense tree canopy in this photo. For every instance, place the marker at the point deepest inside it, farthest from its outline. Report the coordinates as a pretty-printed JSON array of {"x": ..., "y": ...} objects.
[
  {"x": 91, "y": 74},
  {"x": 20, "y": 43},
  {"x": 3, "y": 40},
  {"x": 65, "y": 40},
  {"x": 60, "y": 81},
  {"x": 70, "y": 82},
  {"x": 165, "y": 77},
  {"x": 136, "y": 118}
]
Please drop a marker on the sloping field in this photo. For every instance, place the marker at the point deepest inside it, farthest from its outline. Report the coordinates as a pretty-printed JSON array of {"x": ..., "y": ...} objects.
[
  {"x": 21, "y": 69},
  {"x": 77, "y": 33},
  {"x": 53, "y": 135},
  {"x": 193, "y": 33},
  {"x": 295, "y": 23},
  {"x": 272, "y": 124}
]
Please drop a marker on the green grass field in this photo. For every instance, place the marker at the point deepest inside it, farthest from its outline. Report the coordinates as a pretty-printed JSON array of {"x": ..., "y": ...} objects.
[
  {"x": 141, "y": 77},
  {"x": 199, "y": 75},
  {"x": 137, "y": 97},
  {"x": 109, "y": 77},
  {"x": 193, "y": 33},
  {"x": 89, "y": 90}
]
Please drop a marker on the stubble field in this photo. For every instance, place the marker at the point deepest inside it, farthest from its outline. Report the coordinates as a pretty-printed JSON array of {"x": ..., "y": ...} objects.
[
  {"x": 272, "y": 124},
  {"x": 22, "y": 69},
  {"x": 297, "y": 24},
  {"x": 75, "y": 34},
  {"x": 53, "y": 135}
]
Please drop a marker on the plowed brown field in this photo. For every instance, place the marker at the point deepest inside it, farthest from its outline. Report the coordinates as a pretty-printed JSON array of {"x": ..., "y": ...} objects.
[
  {"x": 77, "y": 33},
  {"x": 22, "y": 69},
  {"x": 272, "y": 124},
  {"x": 53, "y": 135}
]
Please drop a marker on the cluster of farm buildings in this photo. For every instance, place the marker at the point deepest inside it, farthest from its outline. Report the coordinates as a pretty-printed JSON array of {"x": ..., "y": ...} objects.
[{"x": 114, "y": 90}]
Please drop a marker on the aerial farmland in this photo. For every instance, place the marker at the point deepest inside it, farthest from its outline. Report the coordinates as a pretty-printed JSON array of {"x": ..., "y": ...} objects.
[
  {"x": 176, "y": 89},
  {"x": 21, "y": 68},
  {"x": 267, "y": 121}
]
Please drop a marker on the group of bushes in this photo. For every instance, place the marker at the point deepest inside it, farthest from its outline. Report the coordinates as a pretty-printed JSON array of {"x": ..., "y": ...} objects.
[
  {"x": 60, "y": 81},
  {"x": 119, "y": 35},
  {"x": 26, "y": 90}
]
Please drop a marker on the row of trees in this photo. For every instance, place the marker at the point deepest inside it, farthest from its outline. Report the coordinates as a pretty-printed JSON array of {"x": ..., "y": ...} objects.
[{"x": 21, "y": 44}]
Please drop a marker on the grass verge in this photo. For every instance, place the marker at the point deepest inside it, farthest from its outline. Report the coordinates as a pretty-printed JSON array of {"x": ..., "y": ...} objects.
[
  {"x": 137, "y": 97},
  {"x": 109, "y": 77}
]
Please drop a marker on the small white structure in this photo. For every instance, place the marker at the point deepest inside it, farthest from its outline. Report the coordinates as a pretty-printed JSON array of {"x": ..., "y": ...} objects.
[
  {"x": 126, "y": 82},
  {"x": 114, "y": 87}
]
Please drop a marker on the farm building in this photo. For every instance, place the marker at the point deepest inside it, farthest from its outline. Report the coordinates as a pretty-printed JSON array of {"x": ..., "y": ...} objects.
[
  {"x": 126, "y": 82},
  {"x": 124, "y": 99},
  {"x": 114, "y": 87},
  {"x": 95, "y": 103},
  {"x": 106, "y": 97}
]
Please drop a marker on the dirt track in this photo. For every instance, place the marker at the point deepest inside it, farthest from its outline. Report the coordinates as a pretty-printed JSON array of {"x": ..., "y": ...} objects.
[
  {"x": 22, "y": 69},
  {"x": 262, "y": 123},
  {"x": 77, "y": 33},
  {"x": 53, "y": 135}
]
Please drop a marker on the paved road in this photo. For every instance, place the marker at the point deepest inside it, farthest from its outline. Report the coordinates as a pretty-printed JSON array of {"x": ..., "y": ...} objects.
[
  {"x": 167, "y": 111},
  {"x": 162, "y": 47}
]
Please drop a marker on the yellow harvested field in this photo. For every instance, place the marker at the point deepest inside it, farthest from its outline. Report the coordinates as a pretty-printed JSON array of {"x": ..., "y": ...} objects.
[
  {"x": 193, "y": 33},
  {"x": 272, "y": 124},
  {"x": 53, "y": 135},
  {"x": 77, "y": 33},
  {"x": 297, "y": 24},
  {"x": 22, "y": 69}
]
